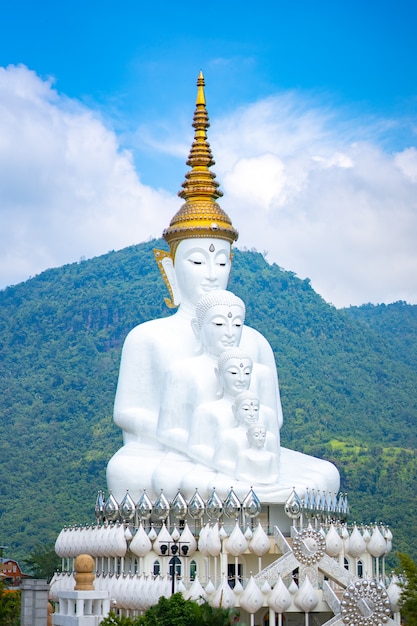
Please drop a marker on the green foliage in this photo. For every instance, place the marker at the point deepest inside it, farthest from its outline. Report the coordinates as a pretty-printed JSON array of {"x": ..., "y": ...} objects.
[
  {"x": 209, "y": 616},
  {"x": 346, "y": 376},
  {"x": 408, "y": 600},
  {"x": 43, "y": 562},
  {"x": 381, "y": 483},
  {"x": 176, "y": 611},
  {"x": 114, "y": 620},
  {"x": 9, "y": 607}
]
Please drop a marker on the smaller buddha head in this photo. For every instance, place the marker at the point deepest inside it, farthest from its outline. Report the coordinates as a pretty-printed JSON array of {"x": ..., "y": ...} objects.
[
  {"x": 234, "y": 369},
  {"x": 246, "y": 408},
  {"x": 256, "y": 435},
  {"x": 218, "y": 322}
]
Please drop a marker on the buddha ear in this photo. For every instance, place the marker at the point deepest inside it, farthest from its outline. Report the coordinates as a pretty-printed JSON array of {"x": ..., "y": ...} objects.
[
  {"x": 196, "y": 328},
  {"x": 220, "y": 389},
  {"x": 168, "y": 267},
  {"x": 199, "y": 348}
]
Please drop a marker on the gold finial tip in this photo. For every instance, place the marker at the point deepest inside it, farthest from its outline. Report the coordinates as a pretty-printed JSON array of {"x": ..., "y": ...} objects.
[{"x": 201, "y": 99}]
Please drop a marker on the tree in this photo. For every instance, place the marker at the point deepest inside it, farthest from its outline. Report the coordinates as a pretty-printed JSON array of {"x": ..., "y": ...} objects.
[
  {"x": 408, "y": 600},
  {"x": 9, "y": 606},
  {"x": 175, "y": 611},
  {"x": 43, "y": 561}
]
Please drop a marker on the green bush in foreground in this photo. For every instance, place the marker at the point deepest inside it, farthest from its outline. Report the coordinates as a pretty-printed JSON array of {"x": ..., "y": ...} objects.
[
  {"x": 9, "y": 606},
  {"x": 175, "y": 611}
]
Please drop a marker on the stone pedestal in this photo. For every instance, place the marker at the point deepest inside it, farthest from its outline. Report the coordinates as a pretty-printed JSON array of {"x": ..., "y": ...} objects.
[
  {"x": 84, "y": 606},
  {"x": 34, "y": 611},
  {"x": 81, "y": 608}
]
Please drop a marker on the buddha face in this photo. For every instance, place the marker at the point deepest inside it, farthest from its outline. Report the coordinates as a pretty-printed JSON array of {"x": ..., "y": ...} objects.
[
  {"x": 247, "y": 410},
  {"x": 222, "y": 328},
  {"x": 201, "y": 265},
  {"x": 256, "y": 436},
  {"x": 235, "y": 376}
]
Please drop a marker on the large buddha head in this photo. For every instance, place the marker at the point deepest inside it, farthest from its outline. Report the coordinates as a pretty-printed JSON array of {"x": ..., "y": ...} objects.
[
  {"x": 218, "y": 322},
  {"x": 200, "y": 234}
]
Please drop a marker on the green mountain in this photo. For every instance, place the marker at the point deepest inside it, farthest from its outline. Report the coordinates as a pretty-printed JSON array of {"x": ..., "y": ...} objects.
[{"x": 348, "y": 382}]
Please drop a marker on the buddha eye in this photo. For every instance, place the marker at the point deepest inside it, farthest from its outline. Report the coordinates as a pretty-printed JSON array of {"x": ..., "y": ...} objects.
[{"x": 196, "y": 259}]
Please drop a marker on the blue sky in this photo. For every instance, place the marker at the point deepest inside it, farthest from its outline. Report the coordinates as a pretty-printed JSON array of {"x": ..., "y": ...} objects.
[{"x": 313, "y": 111}]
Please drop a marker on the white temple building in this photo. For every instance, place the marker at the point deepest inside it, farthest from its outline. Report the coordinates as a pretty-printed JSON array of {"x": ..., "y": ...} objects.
[{"x": 202, "y": 498}]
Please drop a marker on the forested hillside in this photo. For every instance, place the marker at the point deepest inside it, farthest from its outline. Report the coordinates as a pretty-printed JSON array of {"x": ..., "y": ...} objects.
[{"x": 348, "y": 381}]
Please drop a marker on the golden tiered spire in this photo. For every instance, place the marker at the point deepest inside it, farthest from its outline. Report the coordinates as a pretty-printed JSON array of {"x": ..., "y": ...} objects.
[
  {"x": 200, "y": 183},
  {"x": 200, "y": 215}
]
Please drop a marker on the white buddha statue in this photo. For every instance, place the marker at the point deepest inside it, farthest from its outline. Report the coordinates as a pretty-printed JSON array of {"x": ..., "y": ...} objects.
[
  {"x": 199, "y": 236},
  {"x": 209, "y": 420},
  {"x": 191, "y": 382},
  {"x": 254, "y": 462},
  {"x": 246, "y": 411},
  {"x": 236, "y": 372}
]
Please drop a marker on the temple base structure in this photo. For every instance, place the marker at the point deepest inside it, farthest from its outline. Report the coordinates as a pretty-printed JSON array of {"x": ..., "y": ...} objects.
[{"x": 267, "y": 560}]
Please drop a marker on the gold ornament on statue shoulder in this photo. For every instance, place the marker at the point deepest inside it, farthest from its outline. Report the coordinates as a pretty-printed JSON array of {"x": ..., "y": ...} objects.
[
  {"x": 200, "y": 215},
  {"x": 160, "y": 255}
]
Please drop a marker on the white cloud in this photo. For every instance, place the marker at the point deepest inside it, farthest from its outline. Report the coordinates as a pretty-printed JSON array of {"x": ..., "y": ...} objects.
[
  {"x": 340, "y": 212},
  {"x": 407, "y": 162},
  {"x": 266, "y": 171},
  {"x": 66, "y": 188},
  {"x": 315, "y": 189}
]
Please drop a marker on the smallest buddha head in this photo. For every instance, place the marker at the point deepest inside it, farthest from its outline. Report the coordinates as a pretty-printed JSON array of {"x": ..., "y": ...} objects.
[
  {"x": 234, "y": 369},
  {"x": 256, "y": 435},
  {"x": 218, "y": 322},
  {"x": 246, "y": 408}
]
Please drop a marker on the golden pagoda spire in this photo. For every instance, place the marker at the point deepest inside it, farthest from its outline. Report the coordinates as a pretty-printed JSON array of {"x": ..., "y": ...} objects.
[{"x": 200, "y": 216}]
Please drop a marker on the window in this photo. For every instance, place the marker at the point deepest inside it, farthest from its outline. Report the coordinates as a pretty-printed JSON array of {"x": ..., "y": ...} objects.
[
  {"x": 231, "y": 574},
  {"x": 175, "y": 562}
]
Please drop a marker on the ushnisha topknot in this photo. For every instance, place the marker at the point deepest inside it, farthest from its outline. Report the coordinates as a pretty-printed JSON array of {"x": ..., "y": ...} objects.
[
  {"x": 245, "y": 395},
  {"x": 200, "y": 215},
  {"x": 232, "y": 353},
  {"x": 256, "y": 426},
  {"x": 214, "y": 298}
]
